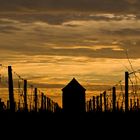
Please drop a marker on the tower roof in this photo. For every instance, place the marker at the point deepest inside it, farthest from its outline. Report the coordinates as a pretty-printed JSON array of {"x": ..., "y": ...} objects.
[{"x": 73, "y": 84}]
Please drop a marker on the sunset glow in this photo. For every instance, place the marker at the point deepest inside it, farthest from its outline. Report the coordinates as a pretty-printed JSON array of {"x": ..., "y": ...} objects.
[{"x": 50, "y": 42}]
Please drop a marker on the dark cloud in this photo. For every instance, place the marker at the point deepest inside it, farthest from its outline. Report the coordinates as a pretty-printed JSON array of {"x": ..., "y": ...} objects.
[
  {"x": 37, "y": 41},
  {"x": 60, "y": 18},
  {"x": 132, "y": 46},
  {"x": 115, "y": 6},
  {"x": 68, "y": 34},
  {"x": 71, "y": 25},
  {"x": 75, "y": 52},
  {"x": 123, "y": 32},
  {"x": 8, "y": 29}
]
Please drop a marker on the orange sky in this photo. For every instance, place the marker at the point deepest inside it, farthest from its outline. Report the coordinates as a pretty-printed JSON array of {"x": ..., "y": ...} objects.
[{"x": 50, "y": 43}]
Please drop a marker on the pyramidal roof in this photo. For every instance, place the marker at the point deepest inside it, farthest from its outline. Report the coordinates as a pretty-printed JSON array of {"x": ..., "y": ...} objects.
[{"x": 73, "y": 84}]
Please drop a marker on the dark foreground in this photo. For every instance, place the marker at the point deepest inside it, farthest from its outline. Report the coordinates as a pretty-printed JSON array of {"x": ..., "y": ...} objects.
[{"x": 61, "y": 124}]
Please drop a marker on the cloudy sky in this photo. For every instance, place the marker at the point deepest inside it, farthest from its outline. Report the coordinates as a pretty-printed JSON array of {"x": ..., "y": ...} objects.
[{"x": 51, "y": 41}]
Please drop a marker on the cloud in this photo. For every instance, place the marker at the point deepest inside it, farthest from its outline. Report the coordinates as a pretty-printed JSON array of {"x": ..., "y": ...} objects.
[
  {"x": 123, "y": 32},
  {"x": 93, "y": 39},
  {"x": 60, "y": 18},
  {"x": 102, "y": 6},
  {"x": 8, "y": 29},
  {"x": 56, "y": 40},
  {"x": 75, "y": 52}
]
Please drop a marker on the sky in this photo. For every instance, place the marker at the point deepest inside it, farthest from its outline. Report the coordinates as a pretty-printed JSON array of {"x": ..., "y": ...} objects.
[{"x": 49, "y": 42}]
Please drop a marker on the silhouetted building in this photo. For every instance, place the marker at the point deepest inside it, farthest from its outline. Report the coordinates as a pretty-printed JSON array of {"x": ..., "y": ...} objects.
[{"x": 73, "y": 98}]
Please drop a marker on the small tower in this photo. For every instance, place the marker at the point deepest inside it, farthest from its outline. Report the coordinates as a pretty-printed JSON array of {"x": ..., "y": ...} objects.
[{"x": 73, "y": 98}]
